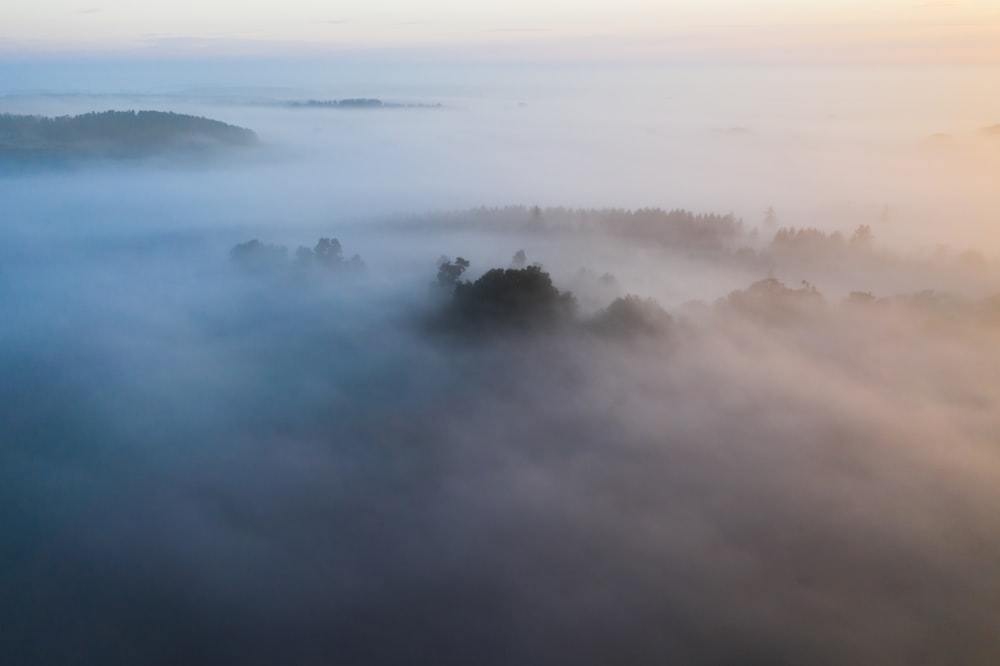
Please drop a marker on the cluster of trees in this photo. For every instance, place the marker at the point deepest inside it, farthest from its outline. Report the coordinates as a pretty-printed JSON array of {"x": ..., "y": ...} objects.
[
  {"x": 505, "y": 299},
  {"x": 698, "y": 232},
  {"x": 356, "y": 103},
  {"x": 327, "y": 255},
  {"x": 714, "y": 237},
  {"x": 116, "y": 133},
  {"x": 502, "y": 298},
  {"x": 771, "y": 300},
  {"x": 810, "y": 241},
  {"x": 631, "y": 315},
  {"x": 523, "y": 297},
  {"x": 678, "y": 228},
  {"x": 350, "y": 103}
]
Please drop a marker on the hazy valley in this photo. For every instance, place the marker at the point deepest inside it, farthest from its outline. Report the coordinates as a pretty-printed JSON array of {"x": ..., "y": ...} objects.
[{"x": 532, "y": 366}]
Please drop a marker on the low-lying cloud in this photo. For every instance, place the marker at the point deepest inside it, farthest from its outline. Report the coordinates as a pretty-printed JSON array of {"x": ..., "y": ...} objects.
[{"x": 290, "y": 460}]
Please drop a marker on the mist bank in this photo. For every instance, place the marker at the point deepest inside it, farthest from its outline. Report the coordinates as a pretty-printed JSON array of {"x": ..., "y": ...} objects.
[
  {"x": 656, "y": 250},
  {"x": 272, "y": 455},
  {"x": 735, "y": 405},
  {"x": 831, "y": 148}
]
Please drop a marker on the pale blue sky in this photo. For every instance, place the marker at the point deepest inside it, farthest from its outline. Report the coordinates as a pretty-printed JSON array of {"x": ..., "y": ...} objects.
[{"x": 890, "y": 30}]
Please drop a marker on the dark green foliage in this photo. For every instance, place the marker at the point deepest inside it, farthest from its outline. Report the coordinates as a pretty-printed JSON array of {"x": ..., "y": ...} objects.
[
  {"x": 632, "y": 316},
  {"x": 510, "y": 298},
  {"x": 115, "y": 134}
]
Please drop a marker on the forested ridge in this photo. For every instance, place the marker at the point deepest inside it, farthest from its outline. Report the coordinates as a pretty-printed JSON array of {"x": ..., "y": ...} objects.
[{"x": 115, "y": 134}]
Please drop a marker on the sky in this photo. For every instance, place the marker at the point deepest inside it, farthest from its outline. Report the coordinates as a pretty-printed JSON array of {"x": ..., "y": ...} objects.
[{"x": 886, "y": 31}]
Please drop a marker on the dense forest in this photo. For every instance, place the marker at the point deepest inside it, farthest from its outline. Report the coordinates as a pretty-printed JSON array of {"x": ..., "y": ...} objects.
[{"x": 115, "y": 134}]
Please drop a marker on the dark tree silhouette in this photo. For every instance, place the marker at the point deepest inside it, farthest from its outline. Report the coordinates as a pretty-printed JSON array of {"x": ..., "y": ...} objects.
[
  {"x": 329, "y": 252},
  {"x": 505, "y": 298},
  {"x": 449, "y": 272}
]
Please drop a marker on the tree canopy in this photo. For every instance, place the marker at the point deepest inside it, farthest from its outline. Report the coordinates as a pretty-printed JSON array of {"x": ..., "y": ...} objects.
[{"x": 510, "y": 298}]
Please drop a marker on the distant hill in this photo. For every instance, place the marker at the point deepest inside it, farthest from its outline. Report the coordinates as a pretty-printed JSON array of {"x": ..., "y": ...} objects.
[
  {"x": 993, "y": 130},
  {"x": 357, "y": 103},
  {"x": 114, "y": 134}
]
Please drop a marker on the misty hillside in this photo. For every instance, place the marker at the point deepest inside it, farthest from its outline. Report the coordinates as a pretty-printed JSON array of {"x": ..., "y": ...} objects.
[{"x": 115, "y": 134}]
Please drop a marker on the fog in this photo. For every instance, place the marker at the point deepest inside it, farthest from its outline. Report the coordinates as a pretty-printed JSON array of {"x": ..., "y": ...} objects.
[{"x": 789, "y": 456}]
